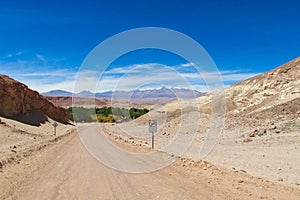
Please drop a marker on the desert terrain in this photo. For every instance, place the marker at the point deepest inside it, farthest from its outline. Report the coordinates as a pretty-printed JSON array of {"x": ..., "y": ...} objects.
[
  {"x": 255, "y": 155},
  {"x": 261, "y": 128},
  {"x": 67, "y": 171}
]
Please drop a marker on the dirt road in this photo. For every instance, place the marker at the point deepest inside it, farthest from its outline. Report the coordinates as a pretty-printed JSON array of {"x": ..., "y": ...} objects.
[{"x": 67, "y": 171}]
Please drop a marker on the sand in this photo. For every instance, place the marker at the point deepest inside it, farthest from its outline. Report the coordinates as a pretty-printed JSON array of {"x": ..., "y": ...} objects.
[{"x": 18, "y": 140}]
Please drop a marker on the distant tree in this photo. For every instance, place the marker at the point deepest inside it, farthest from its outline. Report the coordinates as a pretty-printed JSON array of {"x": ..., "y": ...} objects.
[
  {"x": 135, "y": 113},
  {"x": 104, "y": 114}
]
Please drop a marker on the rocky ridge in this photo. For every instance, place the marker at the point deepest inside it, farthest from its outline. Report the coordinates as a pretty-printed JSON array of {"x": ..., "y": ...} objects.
[{"x": 19, "y": 102}]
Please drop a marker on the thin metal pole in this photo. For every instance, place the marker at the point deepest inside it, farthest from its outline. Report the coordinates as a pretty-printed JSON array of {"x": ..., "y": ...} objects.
[{"x": 152, "y": 139}]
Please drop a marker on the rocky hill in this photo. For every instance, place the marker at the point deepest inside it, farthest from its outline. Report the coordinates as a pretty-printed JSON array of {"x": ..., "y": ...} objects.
[
  {"x": 270, "y": 101},
  {"x": 260, "y": 101},
  {"x": 19, "y": 102},
  {"x": 266, "y": 90}
]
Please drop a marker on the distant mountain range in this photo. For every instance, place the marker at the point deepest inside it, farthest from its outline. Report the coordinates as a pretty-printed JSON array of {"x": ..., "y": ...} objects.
[
  {"x": 56, "y": 93},
  {"x": 134, "y": 94}
]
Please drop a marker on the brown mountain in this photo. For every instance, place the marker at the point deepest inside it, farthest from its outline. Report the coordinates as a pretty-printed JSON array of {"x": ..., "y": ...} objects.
[{"x": 20, "y": 103}]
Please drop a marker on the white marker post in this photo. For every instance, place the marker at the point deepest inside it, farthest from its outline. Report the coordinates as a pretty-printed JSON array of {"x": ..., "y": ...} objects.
[
  {"x": 55, "y": 124},
  {"x": 152, "y": 129}
]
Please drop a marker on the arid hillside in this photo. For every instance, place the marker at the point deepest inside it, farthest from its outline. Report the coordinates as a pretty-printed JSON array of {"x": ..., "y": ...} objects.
[
  {"x": 20, "y": 103},
  {"x": 264, "y": 91},
  {"x": 260, "y": 134},
  {"x": 270, "y": 101},
  {"x": 266, "y": 101},
  {"x": 26, "y": 121}
]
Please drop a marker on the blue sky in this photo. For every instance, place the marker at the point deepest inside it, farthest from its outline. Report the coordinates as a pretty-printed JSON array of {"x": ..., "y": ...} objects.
[{"x": 44, "y": 43}]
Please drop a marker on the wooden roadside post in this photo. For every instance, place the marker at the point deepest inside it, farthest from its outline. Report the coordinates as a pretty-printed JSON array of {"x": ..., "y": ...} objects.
[{"x": 152, "y": 127}]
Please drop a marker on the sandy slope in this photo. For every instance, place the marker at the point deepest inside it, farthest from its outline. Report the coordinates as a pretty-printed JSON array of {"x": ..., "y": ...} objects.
[
  {"x": 68, "y": 171},
  {"x": 18, "y": 139}
]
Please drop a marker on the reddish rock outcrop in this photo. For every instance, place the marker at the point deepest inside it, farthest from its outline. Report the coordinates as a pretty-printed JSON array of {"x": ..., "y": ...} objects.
[{"x": 17, "y": 101}]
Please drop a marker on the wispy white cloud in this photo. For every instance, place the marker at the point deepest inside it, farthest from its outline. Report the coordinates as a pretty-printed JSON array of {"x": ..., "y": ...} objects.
[
  {"x": 45, "y": 87},
  {"x": 119, "y": 78},
  {"x": 11, "y": 55},
  {"x": 53, "y": 73},
  {"x": 190, "y": 64},
  {"x": 225, "y": 75},
  {"x": 40, "y": 57},
  {"x": 163, "y": 74},
  {"x": 38, "y": 73},
  {"x": 136, "y": 68}
]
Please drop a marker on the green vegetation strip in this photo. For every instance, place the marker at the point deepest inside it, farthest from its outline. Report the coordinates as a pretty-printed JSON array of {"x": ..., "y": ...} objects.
[{"x": 105, "y": 114}]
